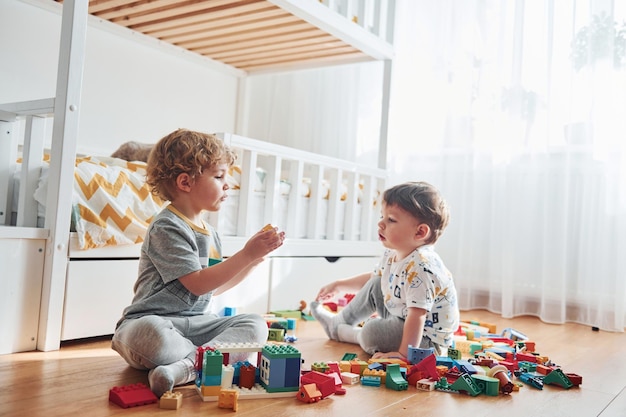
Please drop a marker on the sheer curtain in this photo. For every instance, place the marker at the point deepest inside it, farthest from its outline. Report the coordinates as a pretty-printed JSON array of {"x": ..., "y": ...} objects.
[{"x": 517, "y": 112}]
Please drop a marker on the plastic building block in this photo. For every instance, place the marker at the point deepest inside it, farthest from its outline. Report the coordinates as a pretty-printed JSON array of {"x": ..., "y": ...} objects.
[
  {"x": 325, "y": 383},
  {"x": 280, "y": 368},
  {"x": 428, "y": 365},
  {"x": 531, "y": 380},
  {"x": 230, "y": 311},
  {"x": 309, "y": 393},
  {"x": 275, "y": 334},
  {"x": 465, "y": 367},
  {"x": 349, "y": 378},
  {"x": 348, "y": 356},
  {"x": 132, "y": 395},
  {"x": 171, "y": 400},
  {"x": 288, "y": 314},
  {"x": 415, "y": 354},
  {"x": 370, "y": 381},
  {"x": 574, "y": 378},
  {"x": 228, "y": 399},
  {"x": 513, "y": 334},
  {"x": 502, "y": 374},
  {"x": 380, "y": 373},
  {"x": 466, "y": 384},
  {"x": 488, "y": 385},
  {"x": 443, "y": 385},
  {"x": 256, "y": 392},
  {"x": 320, "y": 367},
  {"x": 557, "y": 377},
  {"x": 490, "y": 327},
  {"x": 425, "y": 384},
  {"x": 333, "y": 366},
  {"x": 358, "y": 366},
  {"x": 454, "y": 353},
  {"x": 247, "y": 375},
  {"x": 394, "y": 379}
]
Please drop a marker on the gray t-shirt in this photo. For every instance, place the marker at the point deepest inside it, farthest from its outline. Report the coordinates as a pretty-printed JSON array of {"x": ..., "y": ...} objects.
[{"x": 173, "y": 247}]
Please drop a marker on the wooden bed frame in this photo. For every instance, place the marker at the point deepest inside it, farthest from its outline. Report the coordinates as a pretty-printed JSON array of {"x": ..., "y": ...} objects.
[{"x": 45, "y": 261}]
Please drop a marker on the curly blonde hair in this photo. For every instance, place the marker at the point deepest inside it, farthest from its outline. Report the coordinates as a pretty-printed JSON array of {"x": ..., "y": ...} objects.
[{"x": 183, "y": 151}]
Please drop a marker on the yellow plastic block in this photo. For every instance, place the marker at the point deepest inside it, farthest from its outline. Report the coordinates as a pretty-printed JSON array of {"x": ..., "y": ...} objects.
[{"x": 171, "y": 400}]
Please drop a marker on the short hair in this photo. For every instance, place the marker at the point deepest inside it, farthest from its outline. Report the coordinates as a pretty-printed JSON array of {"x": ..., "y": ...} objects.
[
  {"x": 422, "y": 201},
  {"x": 183, "y": 151}
]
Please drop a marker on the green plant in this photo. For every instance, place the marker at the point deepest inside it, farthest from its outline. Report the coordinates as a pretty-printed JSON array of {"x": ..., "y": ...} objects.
[{"x": 601, "y": 39}]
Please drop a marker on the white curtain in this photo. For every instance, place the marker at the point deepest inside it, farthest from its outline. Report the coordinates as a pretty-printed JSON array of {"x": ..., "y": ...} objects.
[{"x": 516, "y": 110}]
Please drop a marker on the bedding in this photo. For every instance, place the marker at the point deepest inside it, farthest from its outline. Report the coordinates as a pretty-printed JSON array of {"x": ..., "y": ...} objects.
[{"x": 112, "y": 203}]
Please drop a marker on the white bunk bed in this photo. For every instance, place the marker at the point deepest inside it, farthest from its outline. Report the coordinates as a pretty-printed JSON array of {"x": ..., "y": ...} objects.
[{"x": 328, "y": 207}]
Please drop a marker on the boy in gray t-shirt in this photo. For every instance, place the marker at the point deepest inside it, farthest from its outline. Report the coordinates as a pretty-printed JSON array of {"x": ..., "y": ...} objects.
[{"x": 168, "y": 318}]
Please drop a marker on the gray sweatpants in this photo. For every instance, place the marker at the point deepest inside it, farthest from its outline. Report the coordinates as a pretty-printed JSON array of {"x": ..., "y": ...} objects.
[
  {"x": 380, "y": 334},
  {"x": 151, "y": 341}
]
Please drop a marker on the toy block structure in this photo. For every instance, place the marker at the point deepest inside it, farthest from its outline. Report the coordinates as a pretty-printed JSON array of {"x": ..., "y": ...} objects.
[
  {"x": 171, "y": 400},
  {"x": 279, "y": 365},
  {"x": 280, "y": 368},
  {"x": 227, "y": 348},
  {"x": 132, "y": 395}
]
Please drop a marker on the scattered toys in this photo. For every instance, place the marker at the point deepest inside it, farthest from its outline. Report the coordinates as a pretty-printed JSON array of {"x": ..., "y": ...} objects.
[{"x": 480, "y": 362}]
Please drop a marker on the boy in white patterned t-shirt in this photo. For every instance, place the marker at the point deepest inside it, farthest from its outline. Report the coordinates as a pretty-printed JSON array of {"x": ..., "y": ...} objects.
[{"x": 411, "y": 290}]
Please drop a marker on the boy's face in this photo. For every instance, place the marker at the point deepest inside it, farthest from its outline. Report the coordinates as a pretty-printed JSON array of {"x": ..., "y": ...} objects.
[
  {"x": 209, "y": 189},
  {"x": 398, "y": 230}
]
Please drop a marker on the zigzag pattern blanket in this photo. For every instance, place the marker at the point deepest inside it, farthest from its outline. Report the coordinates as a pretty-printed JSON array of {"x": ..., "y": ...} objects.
[{"x": 112, "y": 203}]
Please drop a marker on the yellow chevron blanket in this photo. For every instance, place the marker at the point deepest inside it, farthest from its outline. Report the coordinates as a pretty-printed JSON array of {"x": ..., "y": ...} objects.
[{"x": 112, "y": 204}]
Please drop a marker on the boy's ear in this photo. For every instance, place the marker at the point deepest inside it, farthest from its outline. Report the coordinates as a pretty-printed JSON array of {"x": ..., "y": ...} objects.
[
  {"x": 422, "y": 231},
  {"x": 183, "y": 182}
]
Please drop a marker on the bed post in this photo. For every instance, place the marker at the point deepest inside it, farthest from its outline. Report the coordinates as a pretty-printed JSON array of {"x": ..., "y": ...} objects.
[{"x": 63, "y": 154}]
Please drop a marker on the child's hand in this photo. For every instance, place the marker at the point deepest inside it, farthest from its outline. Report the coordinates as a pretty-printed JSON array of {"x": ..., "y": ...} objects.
[
  {"x": 327, "y": 292},
  {"x": 264, "y": 241},
  {"x": 389, "y": 355}
]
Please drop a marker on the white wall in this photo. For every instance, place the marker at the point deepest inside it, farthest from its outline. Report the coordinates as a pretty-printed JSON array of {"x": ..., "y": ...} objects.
[
  {"x": 132, "y": 90},
  {"x": 335, "y": 111}
]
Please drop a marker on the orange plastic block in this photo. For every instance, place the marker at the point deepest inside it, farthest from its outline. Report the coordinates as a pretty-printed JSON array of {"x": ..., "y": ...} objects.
[{"x": 228, "y": 399}]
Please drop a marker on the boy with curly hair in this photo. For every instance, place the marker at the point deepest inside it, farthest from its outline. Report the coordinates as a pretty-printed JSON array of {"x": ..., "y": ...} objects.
[{"x": 181, "y": 266}]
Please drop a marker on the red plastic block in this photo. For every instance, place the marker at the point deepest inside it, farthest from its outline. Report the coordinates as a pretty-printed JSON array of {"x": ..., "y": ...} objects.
[
  {"x": 132, "y": 395},
  {"x": 325, "y": 383}
]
